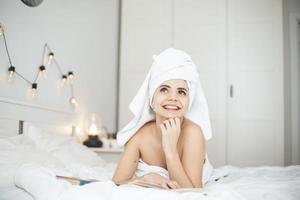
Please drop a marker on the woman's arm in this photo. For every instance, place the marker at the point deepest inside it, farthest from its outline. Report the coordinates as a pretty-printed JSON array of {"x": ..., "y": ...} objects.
[
  {"x": 187, "y": 172},
  {"x": 128, "y": 162}
]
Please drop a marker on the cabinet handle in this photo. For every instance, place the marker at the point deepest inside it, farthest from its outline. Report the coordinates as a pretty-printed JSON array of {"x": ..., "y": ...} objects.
[{"x": 231, "y": 91}]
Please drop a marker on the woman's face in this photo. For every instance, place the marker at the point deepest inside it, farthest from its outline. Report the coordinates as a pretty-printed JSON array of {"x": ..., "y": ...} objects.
[{"x": 171, "y": 99}]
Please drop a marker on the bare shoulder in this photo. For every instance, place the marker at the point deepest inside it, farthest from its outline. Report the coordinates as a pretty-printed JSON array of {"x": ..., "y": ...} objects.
[
  {"x": 192, "y": 131},
  {"x": 142, "y": 134}
]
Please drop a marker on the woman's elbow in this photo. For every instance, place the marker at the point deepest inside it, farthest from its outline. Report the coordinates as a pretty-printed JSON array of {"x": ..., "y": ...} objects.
[
  {"x": 197, "y": 185},
  {"x": 119, "y": 181}
]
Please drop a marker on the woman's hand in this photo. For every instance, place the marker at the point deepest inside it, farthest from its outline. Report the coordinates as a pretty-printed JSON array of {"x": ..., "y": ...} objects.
[
  {"x": 170, "y": 130},
  {"x": 171, "y": 185},
  {"x": 155, "y": 178}
]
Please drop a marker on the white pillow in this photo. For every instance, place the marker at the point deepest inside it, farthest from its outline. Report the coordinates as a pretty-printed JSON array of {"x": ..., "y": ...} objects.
[
  {"x": 18, "y": 150},
  {"x": 64, "y": 148}
]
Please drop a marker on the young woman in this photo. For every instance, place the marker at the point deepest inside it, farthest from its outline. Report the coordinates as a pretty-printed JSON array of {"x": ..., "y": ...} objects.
[{"x": 165, "y": 142}]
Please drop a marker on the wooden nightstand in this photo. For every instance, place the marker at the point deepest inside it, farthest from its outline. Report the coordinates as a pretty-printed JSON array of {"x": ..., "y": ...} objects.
[{"x": 111, "y": 155}]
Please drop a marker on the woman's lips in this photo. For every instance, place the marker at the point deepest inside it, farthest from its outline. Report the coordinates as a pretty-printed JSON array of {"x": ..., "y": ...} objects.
[{"x": 171, "y": 107}]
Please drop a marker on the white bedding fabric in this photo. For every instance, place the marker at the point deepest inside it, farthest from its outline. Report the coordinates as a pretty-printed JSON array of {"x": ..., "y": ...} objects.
[
  {"x": 268, "y": 183},
  {"x": 60, "y": 153},
  {"x": 31, "y": 161}
]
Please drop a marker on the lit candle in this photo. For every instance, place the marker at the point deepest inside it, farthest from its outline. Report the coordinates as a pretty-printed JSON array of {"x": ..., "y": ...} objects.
[{"x": 93, "y": 129}]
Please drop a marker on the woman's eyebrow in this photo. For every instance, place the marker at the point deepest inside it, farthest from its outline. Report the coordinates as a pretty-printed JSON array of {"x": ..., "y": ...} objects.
[
  {"x": 165, "y": 86},
  {"x": 180, "y": 88}
]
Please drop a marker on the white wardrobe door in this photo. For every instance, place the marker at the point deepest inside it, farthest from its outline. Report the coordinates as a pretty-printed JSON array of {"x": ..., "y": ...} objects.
[
  {"x": 199, "y": 29},
  {"x": 255, "y": 64},
  {"x": 145, "y": 30}
]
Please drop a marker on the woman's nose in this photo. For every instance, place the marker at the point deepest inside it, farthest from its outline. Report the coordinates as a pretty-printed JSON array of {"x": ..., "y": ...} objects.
[{"x": 173, "y": 96}]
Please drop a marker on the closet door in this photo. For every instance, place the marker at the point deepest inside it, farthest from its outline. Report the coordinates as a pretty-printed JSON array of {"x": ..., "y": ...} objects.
[
  {"x": 255, "y": 68},
  {"x": 145, "y": 30},
  {"x": 199, "y": 29}
]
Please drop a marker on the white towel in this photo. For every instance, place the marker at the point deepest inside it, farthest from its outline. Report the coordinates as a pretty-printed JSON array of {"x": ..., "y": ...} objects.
[
  {"x": 144, "y": 168},
  {"x": 170, "y": 64}
]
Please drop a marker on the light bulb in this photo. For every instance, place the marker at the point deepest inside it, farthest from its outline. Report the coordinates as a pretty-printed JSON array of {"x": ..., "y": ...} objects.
[
  {"x": 12, "y": 69},
  {"x": 64, "y": 78},
  {"x": 10, "y": 77},
  {"x": 11, "y": 72},
  {"x": 93, "y": 129},
  {"x": 33, "y": 92},
  {"x": 50, "y": 57},
  {"x": 70, "y": 75},
  {"x": 44, "y": 74},
  {"x": 43, "y": 71},
  {"x": 73, "y": 101},
  {"x": 33, "y": 89}
]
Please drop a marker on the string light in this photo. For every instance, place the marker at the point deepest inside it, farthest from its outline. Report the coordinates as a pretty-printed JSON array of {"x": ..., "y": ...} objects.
[
  {"x": 42, "y": 69},
  {"x": 73, "y": 101},
  {"x": 11, "y": 71},
  {"x": 50, "y": 57},
  {"x": 70, "y": 75},
  {"x": 64, "y": 78},
  {"x": 33, "y": 89}
]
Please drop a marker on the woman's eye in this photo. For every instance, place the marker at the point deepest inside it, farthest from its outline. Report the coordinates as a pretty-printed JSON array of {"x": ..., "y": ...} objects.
[
  {"x": 164, "y": 90},
  {"x": 182, "y": 92}
]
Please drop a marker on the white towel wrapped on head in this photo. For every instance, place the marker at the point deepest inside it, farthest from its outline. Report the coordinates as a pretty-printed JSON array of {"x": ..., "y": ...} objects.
[{"x": 168, "y": 65}]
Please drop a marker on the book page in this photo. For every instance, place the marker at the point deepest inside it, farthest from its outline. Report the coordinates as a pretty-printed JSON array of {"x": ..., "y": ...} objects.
[
  {"x": 146, "y": 184},
  {"x": 201, "y": 190},
  {"x": 75, "y": 181}
]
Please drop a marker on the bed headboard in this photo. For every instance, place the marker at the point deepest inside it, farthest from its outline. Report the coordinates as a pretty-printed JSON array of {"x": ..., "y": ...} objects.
[{"x": 15, "y": 116}]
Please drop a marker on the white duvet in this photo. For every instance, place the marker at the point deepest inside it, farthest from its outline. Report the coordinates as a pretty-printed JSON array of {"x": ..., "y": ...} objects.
[
  {"x": 31, "y": 163},
  {"x": 228, "y": 182}
]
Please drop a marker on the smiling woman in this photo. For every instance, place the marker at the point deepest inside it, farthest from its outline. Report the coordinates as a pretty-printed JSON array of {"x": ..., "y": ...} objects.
[
  {"x": 171, "y": 99},
  {"x": 165, "y": 142}
]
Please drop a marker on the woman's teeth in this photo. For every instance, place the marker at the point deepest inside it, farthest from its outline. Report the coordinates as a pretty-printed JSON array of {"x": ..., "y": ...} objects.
[{"x": 170, "y": 107}]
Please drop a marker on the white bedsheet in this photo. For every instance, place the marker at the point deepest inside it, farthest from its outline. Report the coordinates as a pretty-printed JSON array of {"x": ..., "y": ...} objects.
[
  {"x": 60, "y": 153},
  {"x": 62, "y": 156},
  {"x": 14, "y": 193},
  {"x": 268, "y": 183}
]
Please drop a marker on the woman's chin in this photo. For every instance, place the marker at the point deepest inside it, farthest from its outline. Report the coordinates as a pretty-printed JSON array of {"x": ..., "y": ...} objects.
[{"x": 171, "y": 114}]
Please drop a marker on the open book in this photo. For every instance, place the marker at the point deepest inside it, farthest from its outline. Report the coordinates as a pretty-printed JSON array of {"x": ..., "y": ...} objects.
[
  {"x": 142, "y": 183},
  {"x": 76, "y": 181},
  {"x": 135, "y": 182}
]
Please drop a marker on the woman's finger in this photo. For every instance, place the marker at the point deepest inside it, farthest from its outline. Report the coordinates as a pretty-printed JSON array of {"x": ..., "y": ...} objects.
[
  {"x": 172, "y": 185},
  {"x": 163, "y": 128},
  {"x": 177, "y": 121},
  {"x": 177, "y": 185},
  {"x": 165, "y": 185},
  {"x": 167, "y": 124},
  {"x": 172, "y": 123}
]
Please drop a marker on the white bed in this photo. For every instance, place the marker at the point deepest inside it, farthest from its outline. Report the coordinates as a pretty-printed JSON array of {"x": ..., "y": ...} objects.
[
  {"x": 30, "y": 160},
  {"x": 58, "y": 153}
]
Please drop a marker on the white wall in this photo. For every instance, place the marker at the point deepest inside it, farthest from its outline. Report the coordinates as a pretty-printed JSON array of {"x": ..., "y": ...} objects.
[
  {"x": 82, "y": 34},
  {"x": 289, "y": 6}
]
